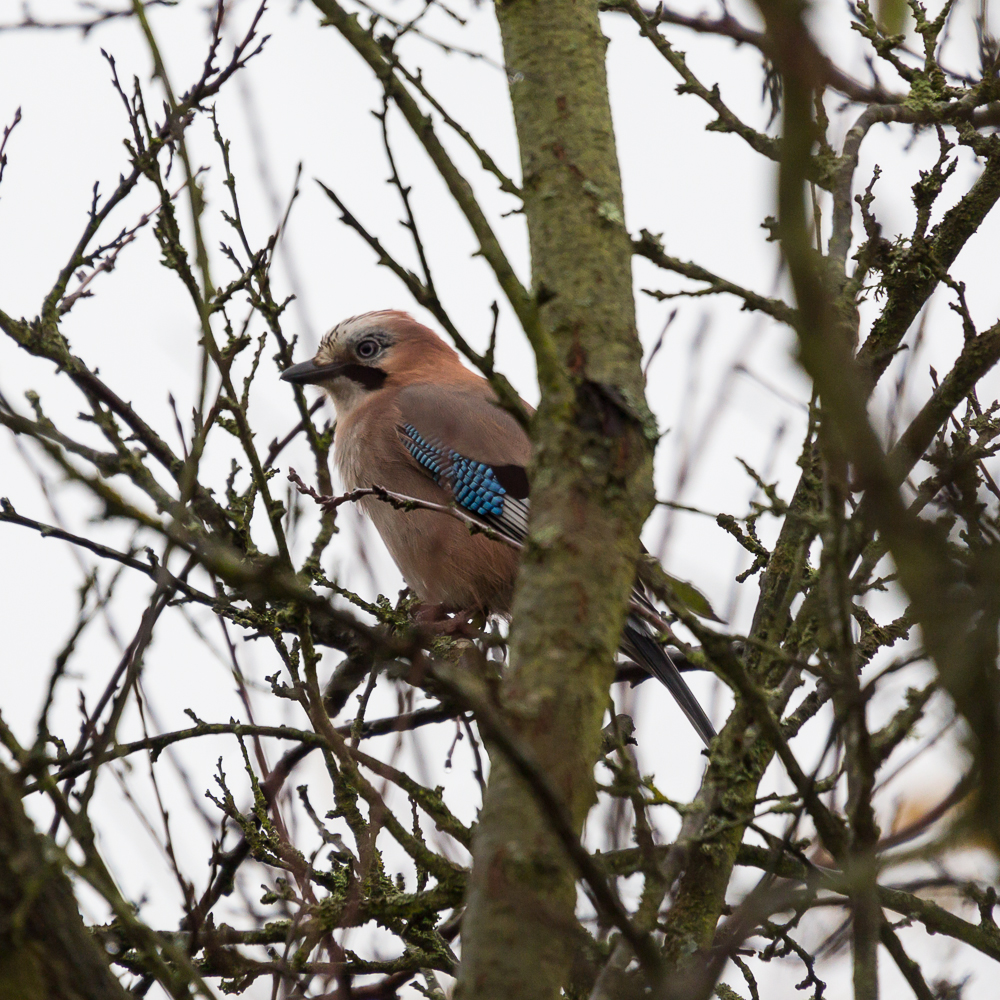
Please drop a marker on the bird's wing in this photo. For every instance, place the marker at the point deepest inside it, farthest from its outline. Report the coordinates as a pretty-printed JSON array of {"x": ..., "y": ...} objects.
[
  {"x": 471, "y": 448},
  {"x": 478, "y": 452}
]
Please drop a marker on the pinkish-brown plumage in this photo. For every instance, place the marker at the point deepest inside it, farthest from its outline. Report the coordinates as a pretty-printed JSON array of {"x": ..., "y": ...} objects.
[
  {"x": 425, "y": 383},
  {"x": 413, "y": 419}
]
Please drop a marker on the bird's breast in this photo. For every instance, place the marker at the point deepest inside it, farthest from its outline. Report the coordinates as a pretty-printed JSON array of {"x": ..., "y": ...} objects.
[{"x": 435, "y": 552}]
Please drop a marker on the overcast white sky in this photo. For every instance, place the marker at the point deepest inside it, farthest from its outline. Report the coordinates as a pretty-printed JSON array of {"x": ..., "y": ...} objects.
[{"x": 725, "y": 384}]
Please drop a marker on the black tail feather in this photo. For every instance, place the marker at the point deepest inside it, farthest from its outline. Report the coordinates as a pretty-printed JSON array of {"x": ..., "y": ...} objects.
[{"x": 638, "y": 643}]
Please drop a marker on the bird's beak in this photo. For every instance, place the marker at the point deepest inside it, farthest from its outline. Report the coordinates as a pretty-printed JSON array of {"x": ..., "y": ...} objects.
[{"x": 309, "y": 373}]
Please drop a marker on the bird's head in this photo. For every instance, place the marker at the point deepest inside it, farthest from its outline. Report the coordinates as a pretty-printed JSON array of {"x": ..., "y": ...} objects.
[{"x": 366, "y": 353}]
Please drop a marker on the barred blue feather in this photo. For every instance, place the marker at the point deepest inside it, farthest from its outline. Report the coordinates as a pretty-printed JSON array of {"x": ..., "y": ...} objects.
[{"x": 473, "y": 484}]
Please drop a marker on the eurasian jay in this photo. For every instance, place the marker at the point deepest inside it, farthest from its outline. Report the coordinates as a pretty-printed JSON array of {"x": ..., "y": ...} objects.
[{"x": 413, "y": 419}]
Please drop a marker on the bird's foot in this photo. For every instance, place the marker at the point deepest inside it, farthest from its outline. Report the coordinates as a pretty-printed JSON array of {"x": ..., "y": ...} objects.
[{"x": 435, "y": 619}]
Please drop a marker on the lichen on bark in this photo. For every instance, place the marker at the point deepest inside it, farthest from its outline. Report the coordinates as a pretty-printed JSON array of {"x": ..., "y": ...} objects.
[
  {"x": 46, "y": 953},
  {"x": 591, "y": 493}
]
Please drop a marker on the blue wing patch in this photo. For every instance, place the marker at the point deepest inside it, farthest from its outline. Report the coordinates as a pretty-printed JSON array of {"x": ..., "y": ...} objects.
[{"x": 473, "y": 484}]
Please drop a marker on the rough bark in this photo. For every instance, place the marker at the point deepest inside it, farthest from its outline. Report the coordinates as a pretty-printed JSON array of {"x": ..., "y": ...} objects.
[
  {"x": 45, "y": 950},
  {"x": 591, "y": 492}
]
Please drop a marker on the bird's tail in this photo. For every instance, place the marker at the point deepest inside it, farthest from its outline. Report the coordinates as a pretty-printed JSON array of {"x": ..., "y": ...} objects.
[{"x": 639, "y": 644}]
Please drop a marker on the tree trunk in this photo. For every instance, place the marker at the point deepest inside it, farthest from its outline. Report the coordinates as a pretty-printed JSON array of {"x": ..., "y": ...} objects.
[
  {"x": 591, "y": 492},
  {"x": 46, "y": 952}
]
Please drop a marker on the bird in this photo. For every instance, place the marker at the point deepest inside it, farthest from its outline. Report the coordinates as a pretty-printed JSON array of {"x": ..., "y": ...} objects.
[{"x": 413, "y": 419}]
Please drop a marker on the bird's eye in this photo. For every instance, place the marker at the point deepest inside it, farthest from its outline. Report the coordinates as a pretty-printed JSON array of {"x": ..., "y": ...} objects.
[{"x": 368, "y": 349}]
